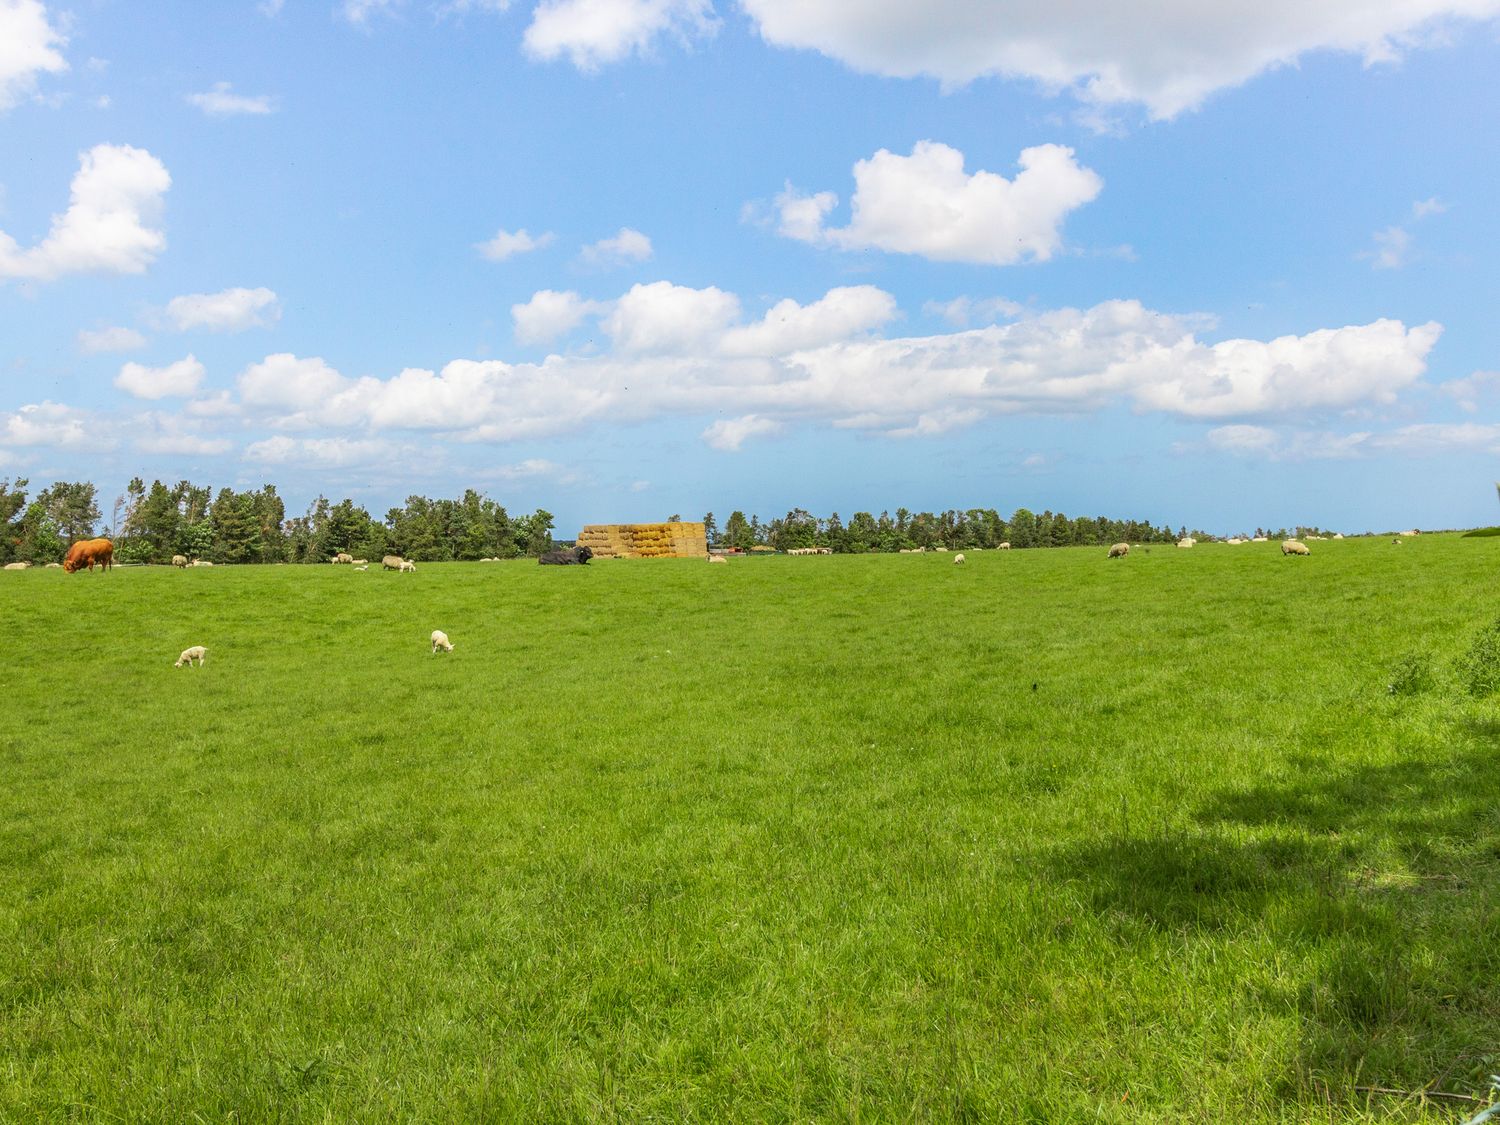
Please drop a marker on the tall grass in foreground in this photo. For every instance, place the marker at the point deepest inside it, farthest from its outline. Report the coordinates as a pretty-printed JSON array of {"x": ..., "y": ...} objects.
[{"x": 1042, "y": 838}]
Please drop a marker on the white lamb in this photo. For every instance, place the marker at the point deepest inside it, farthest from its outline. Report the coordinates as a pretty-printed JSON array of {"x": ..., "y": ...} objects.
[
  {"x": 407, "y": 567},
  {"x": 958, "y": 558},
  {"x": 189, "y": 655},
  {"x": 440, "y": 641}
]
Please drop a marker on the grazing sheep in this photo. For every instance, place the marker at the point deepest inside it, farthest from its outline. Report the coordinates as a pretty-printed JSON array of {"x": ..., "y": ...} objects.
[
  {"x": 17, "y": 566},
  {"x": 1004, "y": 546},
  {"x": 440, "y": 641},
  {"x": 1338, "y": 534},
  {"x": 342, "y": 558},
  {"x": 1188, "y": 542},
  {"x": 1395, "y": 542},
  {"x": 408, "y": 567},
  {"x": 1292, "y": 547},
  {"x": 197, "y": 653},
  {"x": 179, "y": 560},
  {"x": 391, "y": 562},
  {"x": 958, "y": 559},
  {"x": 1119, "y": 550},
  {"x": 717, "y": 559}
]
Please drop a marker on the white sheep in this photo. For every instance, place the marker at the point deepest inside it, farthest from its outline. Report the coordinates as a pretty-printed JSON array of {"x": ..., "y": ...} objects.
[
  {"x": 717, "y": 559},
  {"x": 365, "y": 567},
  {"x": 440, "y": 641},
  {"x": 1119, "y": 550},
  {"x": 1187, "y": 541},
  {"x": 17, "y": 566},
  {"x": 958, "y": 559},
  {"x": 1004, "y": 546},
  {"x": 361, "y": 564},
  {"x": 197, "y": 653},
  {"x": 408, "y": 567},
  {"x": 179, "y": 560}
]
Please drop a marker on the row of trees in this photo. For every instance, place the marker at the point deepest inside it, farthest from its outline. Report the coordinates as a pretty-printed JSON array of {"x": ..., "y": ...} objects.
[
  {"x": 953, "y": 529},
  {"x": 151, "y": 524}
]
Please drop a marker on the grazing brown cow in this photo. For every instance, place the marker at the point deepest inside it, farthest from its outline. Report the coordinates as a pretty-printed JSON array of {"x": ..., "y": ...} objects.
[{"x": 87, "y": 552}]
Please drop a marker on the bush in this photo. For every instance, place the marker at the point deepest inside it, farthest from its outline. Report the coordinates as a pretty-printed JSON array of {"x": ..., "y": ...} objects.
[
  {"x": 1479, "y": 668},
  {"x": 1412, "y": 674}
]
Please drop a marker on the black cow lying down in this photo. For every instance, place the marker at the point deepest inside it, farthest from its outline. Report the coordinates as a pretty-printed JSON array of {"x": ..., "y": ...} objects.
[{"x": 566, "y": 556}]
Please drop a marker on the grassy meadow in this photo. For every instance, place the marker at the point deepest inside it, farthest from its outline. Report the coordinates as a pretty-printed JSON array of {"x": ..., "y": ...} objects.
[{"x": 1042, "y": 838}]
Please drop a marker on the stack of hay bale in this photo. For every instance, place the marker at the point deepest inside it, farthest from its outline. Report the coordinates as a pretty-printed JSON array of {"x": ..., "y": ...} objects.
[{"x": 645, "y": 540}]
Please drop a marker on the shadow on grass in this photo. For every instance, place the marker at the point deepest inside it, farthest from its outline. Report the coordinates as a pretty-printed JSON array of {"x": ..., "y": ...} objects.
[{"x": 1379, "y": 889}]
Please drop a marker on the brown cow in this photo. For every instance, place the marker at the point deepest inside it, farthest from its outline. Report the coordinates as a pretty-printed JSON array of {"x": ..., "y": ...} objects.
[{"x": 87, "y": 552}]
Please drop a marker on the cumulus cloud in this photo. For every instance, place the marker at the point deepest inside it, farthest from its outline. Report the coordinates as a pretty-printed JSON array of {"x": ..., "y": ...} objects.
[
  {"x": 29, "y": 46},
  {"x": 230, "y": 310},
  {"x": 107, "y": 228},
  {"x": 678, "y": 351},
  {"x": 221, "y": 101},
  {"x": 550, "y": 314},
  {"x": 98, "y": 340},
  {"x": 358, "y": 12},
  {"x": 48, "y": 423},
  {"x": 626, "y": 247},
  {"x": 731, "y": 433},
  {"x": 1168, "y": 57},
  {"x": 175, "y": 379},
  {"x": 590, "y": 33},
  {"x": 506, "y": 244},
  {"x": 789, "y": 327},
  {"x": 926, "y": 204},
  {"x": 663, "y": 318}
]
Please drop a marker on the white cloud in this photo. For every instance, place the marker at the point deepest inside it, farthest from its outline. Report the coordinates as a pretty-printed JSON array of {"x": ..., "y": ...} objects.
[
  {"x": 230, "y": 310},
  {"x": 1471, "y": 389},
  {"x": 964, "y": 311},
  {"x": 626, "y": 247},
  {"x": 1422, "y": 439},
  {"x": 662, "y": 318},
  {"x": 507, "y": 245},
  {"x": 270, "y": 8},
  {"x": 1431, "y": 206},
  {"x": 321, "y": 453},
  {"x": 116, "y": 196},
  {"x": 594, "y": 32},
  {"x": 1330, "y": 369},
  {"x": 175, "y": 379},
  {"x": 732, "y": 433},
  {"x": 639, "y": 485},
  {"x": 222, "y": 102},
  {"x": 1168, "y": 56},
  {"x": 358, "y": 12},
  {"x": 926, "y": 204},
  {"x": 98, "y": 340},
  {"x": 282, "y": 382},
  {"x": 172, "y": 435},
  {"x": 29, "y": 46},
  {"x": 48, "y": 423},
  {"x": 550, "y": 314},
  {"x": 790, "y": 327},
  {"x": 677, "y": 351},
  {"x": 1391, "y": 248}
]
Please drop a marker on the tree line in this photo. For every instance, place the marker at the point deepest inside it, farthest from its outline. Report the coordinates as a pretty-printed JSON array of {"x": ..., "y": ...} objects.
[{"x": 151, "y": 524}]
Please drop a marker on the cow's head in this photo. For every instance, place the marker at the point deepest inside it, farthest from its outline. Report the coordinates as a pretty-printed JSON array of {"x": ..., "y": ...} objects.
[{"x": 583, "y": 554}]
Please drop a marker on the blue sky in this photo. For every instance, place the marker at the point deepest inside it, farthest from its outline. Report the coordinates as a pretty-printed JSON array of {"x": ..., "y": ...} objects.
[{"x": 625, "y": 258}]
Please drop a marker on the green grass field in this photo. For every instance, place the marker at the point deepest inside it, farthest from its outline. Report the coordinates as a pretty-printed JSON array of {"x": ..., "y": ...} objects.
[{"x": 1042, "y": 838}]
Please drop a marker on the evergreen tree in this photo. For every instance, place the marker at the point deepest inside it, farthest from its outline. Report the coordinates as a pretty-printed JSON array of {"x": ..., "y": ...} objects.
[{"x": 236, "y": 528}]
